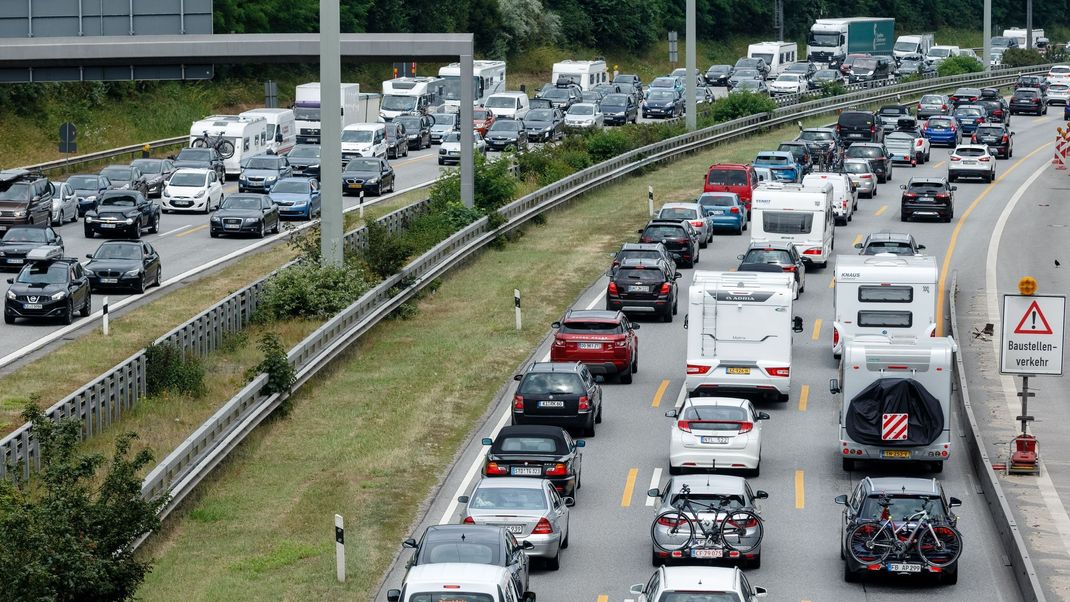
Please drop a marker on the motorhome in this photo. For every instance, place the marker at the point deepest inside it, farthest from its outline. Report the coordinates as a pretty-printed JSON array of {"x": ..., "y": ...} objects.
[
  {"x": 282, "y": 128},
  {"x": 883, "y": 294},
  {"x": 739, "y": 334},
  {"x": 357, "y": 107},
  {"x": 894, "y": 396},
  {"x": 585, "y": 74},
  {"x": 800, "y": 214},
  {"x": 488, "y": 77},
  {"x": 1018, "y": 34},
  {"x": 248, "y": 135},
  {"x": 777, "y": 55},
  {"x": 401, "y": 95}
]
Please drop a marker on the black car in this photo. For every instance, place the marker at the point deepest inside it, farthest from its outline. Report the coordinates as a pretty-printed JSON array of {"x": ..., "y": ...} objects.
[
  {"x": 877, "y": 156},
  {"x": 561, "y": 96},
  {"x": 254, "y": 214},
  {"x": 636, "y": 250},
  {"x": 25, "y": 198},
  {"x": 397, "y": 141},
  {"x": 122, "y": 212},
  {"x": 871, "y": 69},
  {"x": 305, "y": 160},
  {"x": 964, "y": 96},
  {"x": 629, "y": 80},
  {"x": 417, "y": 130},
  {"x": 679, "y": 238},
  {"x": 536, "y": 451},
  {"x": 663, "y": 103},
  {"x": 1029, "y": 100},
  {"x": 126, "y": 177},
  {"x": 859, "y": 126},
  {"x": 774, "y": 256},
  {"x": 998, "y": 111},
  {"x": 562, "y": 394},
  {"x": 916, "y": 65},
  {"x": 644, "y": 286},
  {"x": 49, "y": 286},
  {"x": 718, "y": 75},
  {"x": 998, "y": 139},
  {"x": 928, "y": 197},
  {"x": 544, "y": 125},
  {"x": 825, "y": 77},
  {"x": 87, "y": 187},
  {"x": 18, "y": 241},
  {"x": 201, "y": 158},
  {"x": 507, "y": 134},
  {"x": 483, "y": 544},
  {"x": 824, "y": 141},
  {"x": 890, "y": 115},
  {"x": 1032, "y": 81},
  {"x": 130, "y": 264},
  {"x": 371, "y": 174},
  {"x": 156, "y": 172},
  {"x": 619, "y": 109}
]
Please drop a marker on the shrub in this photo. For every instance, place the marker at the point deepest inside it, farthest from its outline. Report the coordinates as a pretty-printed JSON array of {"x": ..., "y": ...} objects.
[
  {"x": 387, "y": 252},
  {"x": 167, "y": 368},
  {"x": 1022, "y": 57},
  {"x": 608, "y": 143},
  {"x": 829, "y": 89},
  {"x": 957, "y": 65},
  {"x": 281, "y": 375},
  {"x": 311, "y": 290},
  {"x": 741, "y": 104},
  {"x": 495, "y": 186}
]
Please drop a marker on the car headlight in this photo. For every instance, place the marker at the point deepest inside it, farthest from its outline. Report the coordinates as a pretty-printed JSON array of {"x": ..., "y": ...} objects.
[
  {"x": 132, "y": 273},
  {"x": 300, "y": 202},
  {"x": 89, "y": 219},
  {"x": 442, "y": 151},
  {"x": 90, "y": 199},
  {"x": 252, "y": 220},
  {"x": 59, "y": 295},
  {"x": 199, "y": 194},
  {"x": 271, "y": 178},
  {"x": 129, "y": 220},
  {"x": 10, "y": 295},
  {"x": 316, "y": 166},
  {"x": 372, "y": 181},
  {"x": 89, "y": 272},
  {"x": 20, "y": 214},
  {"x": 215, "y": 219}
]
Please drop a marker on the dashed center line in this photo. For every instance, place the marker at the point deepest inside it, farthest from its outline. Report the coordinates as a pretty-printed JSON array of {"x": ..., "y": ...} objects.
[
  {"x": 817, "y": 330},
  {"x": 629, "y": 487},
  {"x": 804, "y": 397},
  {"x": 661, "y": 391},
  {"x": 800, "y": 491},
  {"x": 858, "y": 239},
  {"x": 832, "y": 283},
  {"x": 881, "y": 210},
  {"x": 191, "y": 230},
  {"x": 176, "y": 230}
]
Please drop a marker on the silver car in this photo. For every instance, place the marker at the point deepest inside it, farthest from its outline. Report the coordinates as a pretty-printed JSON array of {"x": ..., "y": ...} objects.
[
  {"x": 862, "y": 176},
  {"x": 933, "y": 104},
  {"x": 64, "y": 204},
  {"x": 690, "y": 212},
  {"x": 530, "y": 509}
]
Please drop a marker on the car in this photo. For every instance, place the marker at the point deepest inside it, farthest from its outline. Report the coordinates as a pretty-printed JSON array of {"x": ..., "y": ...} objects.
[
  {"x": 636, "y": 250},
  {"x": 933, "y": 104},
  {"x": 619, "y": 109},
  {"x": 544, "y": 125},
  {"x": 536, "y": 451},
  {"x": 192, "y": 190},
  {"x": 969, "y": 117},
  {"x": 130, "y": 264},
  {"x": 716, "y": 433},
  {"x": 450, "y": 150},
  {"x": 713, "y": 497},
  {"x": 827, "y": 77},
  {"x": 561, "y": 97},
  {"x": 530, "y": 509},
  {"x": 862, "y": 175},
  {"x": 305, "y": 160},
  {"x": 201, "y": 158},
  {"x": 896, "y": 243},
  {"x": 774, "y": 256},
  {"x": 1031, "y": 81},
  {"x": 604, "y": 341},
  {"x": 1059, "y": 92},
  {"x": 507, "y": 134},
  {"x": 718, "y": 75},
  {"x": 964, "y": 96},
  {"x": 859, "y": 126},
  {"x": 789, "y": 83},
  {"x": 663, "y": 103},
  {"x": 998, "y": 139},
  {"x": 584, "y": 116},
  {"x": 757, "y": 64},
  {"x": 87, "y": 187},
  {"x": 889, "y": 116},
  {"x": 844, "y": 195},
  {"x": 371, "y": 174},
  {"x": 692, "y": 213},
  {"x": 563, "y": 394},
  {"x": 724, "y": 210},
  {"x": 752, "y": 86},
  {"x": 914, "y": 65},
  {"x": 644, "y": 286},
  {"x": 871, "y": 69},
  {"x": 156, "y": 172},
  {"x": 922, "y": 146},
  {"x": 297, "y": 197},
  {"x": 928, "y": 197},
  {"x": 469, "y": 543},
  {"x": 125, "y": 177},
  {"x": 629, "y": 80},
  {"x": 48, "y": 286},
  {"x": 741, "y": 75},
  {"x": 803, "y": 68},
  {"x": 591, "y": 96},
  {"x": 876, "y": 154},
  {"x": 122, "y": 212},
  {"x": 803, "y": 152},
  {"x": 459, "y": 581},
  {"x": 64, "y": 204},
  {"x": 242, "y": 213},
  {"x": 417, "y": 130},
  {"x": 482, "y": 119},
  {"x": 971, "y": 161},
  {"x": 397, "y": 141},
  {"x": 672, "y": 83},
  {"x": 1058, "y": 73},
  {"x": 847, "y": 65},
  {"x": 25, "y": 198},
  {"x": 904, "y": 496},
  {"x": 1029, "y": 100},
  {"x": 996, "y": 111},
  {"x": 18, "y": 241},
  {"x": 943, "y": 130},
  {"x": 733, "y": 177},
  {"x": 679, "y": 237},
  {"x": 442, "y": 123},
  {"x": 825, "y": 142},
  {"x": 259, "y": 173},
  {"x": 698, "y": 584},
  {"x": 782, "y": 164}
]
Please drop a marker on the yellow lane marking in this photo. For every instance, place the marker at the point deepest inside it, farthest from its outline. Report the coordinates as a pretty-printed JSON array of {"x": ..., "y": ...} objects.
[
  {"x": 800, "y": 491},
  {"x": 817, "y": 329},
  {"x": 858, "y": 239},
  {"x": 955, "y": 237},
  {"x": 629, "y": 487},
  {"x": 603, "y": 598},
  {"x": 881, "y": 210},
  {"x": 832, "y": 283},
  {"x": 420, "y": 158},
  {"x": 937, "y": 165},
  {"x": 661, "y": 391},
  {"x": 191, "y": 231},
  {"x": 804, "y": 396}
]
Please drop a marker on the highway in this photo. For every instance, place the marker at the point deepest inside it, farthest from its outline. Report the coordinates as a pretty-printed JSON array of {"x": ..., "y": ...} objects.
[{"x": 610, "y": 545}]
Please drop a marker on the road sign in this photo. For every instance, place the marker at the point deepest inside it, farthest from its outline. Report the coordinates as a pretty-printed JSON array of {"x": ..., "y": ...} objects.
[
  {"x": 1032, "y": 342},
  {"x": 68, "y": 136}
]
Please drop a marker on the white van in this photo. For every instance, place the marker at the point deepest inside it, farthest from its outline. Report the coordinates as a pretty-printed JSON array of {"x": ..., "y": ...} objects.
[
  {"x": 282, "y": 128},
  {"x": 247, "y": 134},
  {"x": 883, "y": 294},
  {"x": 363, "y": 140},
  {"x": 940, "y": 53},
  {"x": 796, "y": 213},
  {"x": 585, "y": 74},
  {"x": 778, "y": 55},
  {"x": 739, "y": 334},
  {"x": 458, "y": 581},
  {"x": 508, "y": 105},
  {"x": 844, "y": 194}
]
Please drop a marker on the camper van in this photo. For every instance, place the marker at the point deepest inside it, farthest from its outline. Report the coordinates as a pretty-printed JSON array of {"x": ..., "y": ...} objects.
[
  {"x": 411, "y": 95},
  {"x": 488, "y": 77},
  {"x": 739, "y": 333},
  {"x": 777, "y": 55},
  {"x": 800, "y": 214},
  {"x": 883, "y": 294},
  {"x": 281, "y": 128},
  {"x": 247, "y": 134},
  {"x": 585, "y": 74},
  {"x": 895, "y": 400}
]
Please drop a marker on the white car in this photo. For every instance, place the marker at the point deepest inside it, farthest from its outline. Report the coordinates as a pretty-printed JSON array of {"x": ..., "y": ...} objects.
[
  {"x": 691, "y": 212},
  {"x": 1059, "y": 73},
  {"x": 971, "y": 161},
  {"x": 1059, "y": 92},
  {"x": 192, "y": 190},
  {"x": 788, "y": 83},
  {"x": 450, "y": 151},
  {"x": 716, "y": 433},
  {"x": 692, "y": 582},
  {"x": 64, "y": 204},
  {"x": 584, "y": 115}
]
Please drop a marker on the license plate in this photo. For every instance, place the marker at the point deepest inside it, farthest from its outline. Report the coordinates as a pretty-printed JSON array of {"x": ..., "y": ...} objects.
[
  {"x": 904, "y": 568},
  {"x": 109, "y": 281},
  {"x": 107, "y": 225},
  {"x": 32, "y": 305},
  {"x": 636, "y": 289},
  {"x": 716, "y": 212},
  {"x": 525, "y": 471},
  {"x": 14, "y": 261},
  {"x": 551, "y": 404},
  {"x": 739, "y": 370},
  {"x": 354, "y": 186},
  {"x": 707, "y": 553},
  {"x": 515, "y": 529},
  {"x": 589, "y": 345},
  {"x": 720, "y": 440},
  {"x": 969, "y": 162},
  {"x": 895, "y": 453}
]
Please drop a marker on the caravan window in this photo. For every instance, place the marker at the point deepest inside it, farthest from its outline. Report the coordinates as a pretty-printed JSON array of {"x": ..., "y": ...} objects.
[
  {"x": 787, "y": 222},
  {"x": 886, "y": 294},
  {"x": 885, "y": 319},
  {"x": 768, "y": 58}
]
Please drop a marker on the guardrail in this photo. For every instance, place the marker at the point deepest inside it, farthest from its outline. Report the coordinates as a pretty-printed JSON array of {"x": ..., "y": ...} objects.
[{"x": 133, "y": 149}]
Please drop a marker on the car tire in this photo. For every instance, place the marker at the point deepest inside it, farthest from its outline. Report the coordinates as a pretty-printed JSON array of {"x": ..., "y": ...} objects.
[
  {"x": 598, "y": 416},
  {"x": 754, "y": 563},
  {"x": 88, "y": 233},
  {"x": 568, "y": 531},
  {"x": 213, "y": 233},
  {"x": 554, "y": 563},
  {"x": 625, "y": 378},
  {"x": 159, "y": 277},
  {"x": 87, "y": 307},
  {"x": 666, "y": 316},
  {"x": 155, "y": 228},
  {"x": 9, "y": 319},
  {"x": 68, "y": 316},
  {"x": 937, "y": 467},
  {"x": 140, "y": 288},
  {"x": 275, "y": 229},
  {"x": 441, "y": 162},
  {"x": 136, "y": 232},
  {"x": 589, "y": 429},
  {"x": 950, "y": 577},
  {"x": 263, "y": 230}
]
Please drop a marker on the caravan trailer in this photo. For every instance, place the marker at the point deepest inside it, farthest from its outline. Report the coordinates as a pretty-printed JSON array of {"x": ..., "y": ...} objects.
[
  {"x": 247, "y": 134},
  {"x": 800, "y": 214}
]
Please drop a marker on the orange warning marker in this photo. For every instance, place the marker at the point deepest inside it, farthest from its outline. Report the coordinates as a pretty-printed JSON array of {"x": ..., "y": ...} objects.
[{"x": 1032, "y": 314}]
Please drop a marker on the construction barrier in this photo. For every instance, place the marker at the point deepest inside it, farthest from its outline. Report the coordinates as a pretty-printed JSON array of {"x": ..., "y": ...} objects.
[{"x": 1062, "y": 146}]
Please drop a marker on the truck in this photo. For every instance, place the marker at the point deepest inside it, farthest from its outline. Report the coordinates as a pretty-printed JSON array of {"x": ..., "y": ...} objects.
[
  {"x": 894, "y": 398},
  {"x": 357, "y": 107},
  {"x": 913, "y": 45},
  {"x": 739, "y": 342},
  {"x": 831, "y": 40}
]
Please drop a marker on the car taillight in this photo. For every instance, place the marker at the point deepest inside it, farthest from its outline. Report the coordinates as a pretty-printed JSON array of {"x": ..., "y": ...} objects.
[
  {"x": 559, "y": 342},
  {"x": 782, "y": 372},
  {"x": 665, "y": 521},
  {"x": 493, "y": 468},
  {"x": 866, "y": 177},
  {"x": 812, "y": 252},
  {"x": 623, "y": 342},
  {"x": 984, "y": 159},
  {"x": 468, "y": 520},
  {"x": 697, "y": 369},
  {"x": 919, "y": 142},
  {"x": 684, "y": 425},
  {"x": 973, "y": 139},
  {"x": 910, "y": 195},
  {"x": 665, "y": 288},
  {"x": 746, "y": 524},
  {"x": 943, "y": 107},
  {"x": 872, "y": 129},
  {"x": 1036, "y": 101},
  {"x": 789, "y": 268},
  {"x": 919, "y": 106},
  {"x": 943, "y": 195},
  {"x": 734, "y": 210},
  {"x": 698, "y": 223},
  {"x": 835, "y": 336},
  {"x": 838, "y": 128},
  {"x": 954, "y": 158},
  {"x": 745, "y": 427},
  {"x": 585, "y": 404},
  {"x": 518, "y": 402},
  {"x": 613, "y": 288},
  {"x": 1005, "y": 139},
  {"x": 557, "y": 470},
  {"x": 543, "y": 528},
  {"x": 980, "y": 120}
]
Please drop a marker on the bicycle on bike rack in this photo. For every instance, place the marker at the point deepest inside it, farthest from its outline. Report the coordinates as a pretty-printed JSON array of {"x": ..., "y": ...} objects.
[
  {"x": 222, "y": 145},
  {"x": 936, "y": 543},
  {"x": 683, "y": 530}
]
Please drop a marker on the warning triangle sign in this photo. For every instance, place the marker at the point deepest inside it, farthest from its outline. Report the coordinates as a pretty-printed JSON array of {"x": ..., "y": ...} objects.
[{"x": 1033, "y": 322}]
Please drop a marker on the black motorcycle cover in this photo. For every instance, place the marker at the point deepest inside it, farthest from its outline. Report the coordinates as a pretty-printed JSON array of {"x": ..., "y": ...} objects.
[{"x": 872, "y": 414}]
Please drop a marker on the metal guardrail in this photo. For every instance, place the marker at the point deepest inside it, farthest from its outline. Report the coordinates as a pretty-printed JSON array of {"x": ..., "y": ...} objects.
[{"x": 133, "y": 149}]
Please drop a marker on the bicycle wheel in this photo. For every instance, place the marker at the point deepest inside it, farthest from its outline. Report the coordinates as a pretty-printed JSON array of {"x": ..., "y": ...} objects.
[
  {"x": 225, "y": 148},
  {"x": 870, "y": 543},
  {"x": 672, "y": 531},
  {"x": 742, "y": 531},
  {"x": 198, "y": 143},
  {"x": 940, "y": 545}
]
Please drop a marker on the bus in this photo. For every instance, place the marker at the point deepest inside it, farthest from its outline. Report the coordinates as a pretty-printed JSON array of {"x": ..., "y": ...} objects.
[
  {"x": 488, "y": 77},
  {"x": 411, "y": 95}
]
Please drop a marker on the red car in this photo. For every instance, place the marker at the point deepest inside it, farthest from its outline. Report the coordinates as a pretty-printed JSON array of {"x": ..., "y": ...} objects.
[
  {"x": 482, "y": 119},
  {"x": 732, "y": 177},
  {"x": 605, "y": 341}
]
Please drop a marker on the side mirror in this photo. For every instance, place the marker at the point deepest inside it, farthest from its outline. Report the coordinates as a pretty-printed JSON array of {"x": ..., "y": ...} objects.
[
  {"x": 89, "y": 256},
  {"x": 677, "y": 276},
  {"x": 671, "y": 414},
  {"x": 409, "y": 543},
  {"x": 954, "y": 188},
  {"x": 796, "y": 324},
  {"x": 581, "y": 443},
  {"x": 462, "y": 499},
  {"x": 760, "y": 592},
  {"x": 527, "y": 545},
  {"x": 11, "y": 281},
  {"x": 858, "y": 245},
  {"x": 761, "y": 495},
  {"x": 902, "y": 187},
  {"x": 920, "y": 247},
  {"x": 570, "y": 501},
  {"x": 954, "y": 502},
  {"x": 635, "y": 326},
  {"x": 834, "y": 386},
  {"x": 517, "y": 377},
  {"x": 739, "y": 257},
  {"x": 841, "y": 500},
  {"x": 640, "y": 231},
  {"x": 598, "y": 378},
  {"x": 528, "y": 597},
  {"x": 393, "y": 595},
  {"x": 487, "y": 441},
  {"x": 653, "y": 492},
  {"x": 555, "y": 325},
  {"x": 636, "y": 589},
  {"x": 763, "y": 416}
]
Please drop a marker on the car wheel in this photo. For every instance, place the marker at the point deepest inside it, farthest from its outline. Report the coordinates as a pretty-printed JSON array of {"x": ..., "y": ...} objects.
[
  {"x": 88, "y": 233},
  {"x": 276, "y": 227},
  {"x": 8, "y": 319},
  {"x": 140, "y": 288},
  {"x": 136, "y": 232},
  {"x": 625, "y": 378},
  {"x": 904, "y": 216},
  {"x": 589, "y": 430},
  {"x": 159, "y": 276},
  {"x": 68, "y": 316},
  {"x": 155, "y": 225},
  {"x": 598, "y": 417},
  {"x": 441, "y": 162},
  {"x": 213, "y": 233},
  {"x": 554, "y": 563},
  {"x": 263, "y": 230},
  {"x": 756, "y": 562},
  {"x": 564, "y": 542},
  {"x": 949, "y": 577},
  {"x": 87, "y": 307},
  {"x": 654, "y": 560}
]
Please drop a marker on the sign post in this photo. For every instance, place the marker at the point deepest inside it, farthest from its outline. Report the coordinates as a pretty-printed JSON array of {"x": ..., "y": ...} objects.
[
  {"x": 340, "y": 548},
  {"x": 516, "y": 304},
  {"x": 68, "y": 139},
  {"x": 650, "y": 199}
]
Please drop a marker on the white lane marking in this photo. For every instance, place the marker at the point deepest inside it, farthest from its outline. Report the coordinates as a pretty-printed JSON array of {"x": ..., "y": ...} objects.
[
  {"x": 655, "y": 481},
  {"x": 1010, "y": 391},
  {"x": 680, "y": 396},
  {"x": 176, "y": 230}
]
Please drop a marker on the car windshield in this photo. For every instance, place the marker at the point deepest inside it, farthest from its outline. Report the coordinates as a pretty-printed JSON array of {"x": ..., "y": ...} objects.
[
  {"x": 507, "y": 125},
  {"x": 508, "y": 498},
  {"x": 772, "y": 160},
  {"x": 545, "y": 383},
  {"x": 660, "y": 232},
  {"x": 291, "y": 187},
  {"x": 964, "y": 112},
  {"x": 262, "y": 163},
  {"x": 357, "y": 135},
  {"x": 149, "y": 165},
  {"x": 25, "y": 235},
  {"x": 788, "y": 77},
  {"x": 989, "y": 130},
  {"x": 664, "y": 82},
  {"x": 539, "y": 115},
  {"x": 745, "y": 74},
  {"x": 777, "y": 256},
  {"x": 118, "y": 201},
  {"x": 865, "y": 64},
  {"x": 83, "y": 182},
  {"x": 43, "y": 273},
  {"x": 454, "y": 137},
  {"x": 412, "y": 124},
  {"x": 304, "y": 152},
  {"x": 826, "y": 74},
  {"x": 195, "y": 154},
  {"x": 444, "y": 118},
  {"x": 798, "y": 68},
  {"x": 728, "y": 177},
  {"x": 888, "y": 246},
  {"x": 363, "y": 165},
  {"x": 554, "y": 94},
  {"x": 901, "y": 507},
  {"x": 19, "y": 191},
  {"x": 703, "y": 596},
  {"x": 751, "y": 63},
  {"x": 719, "y": 69},
  {"x": 450, "y": 596},
  {"x": 864, "y": 152},
  {"x": 596, "y": 327},
  {"x": 658, "y": 96},
  {"x": 472, "y": 548},
  {"x": 118, "y": 250},
  {"x": 582, "y": 109},
  {"x": 188, "y": 179},
  {"x": 939, "y": 52},
  {"x": 814, "y": 136},
  {"x": 748, "y": 84},
  {"x": 116, "y": 174},
  {"x": 856, "y": 167},
  {"x": 715, "y": 200},
  {"x": 905, "y": 46},
  {"x": 640, "y": 275},
  {"x": 680, "y": 213},
  {"x": 241, "y": 202},
  {"x": 501, "y": 102},
  {"x": 787, "y": 222}
]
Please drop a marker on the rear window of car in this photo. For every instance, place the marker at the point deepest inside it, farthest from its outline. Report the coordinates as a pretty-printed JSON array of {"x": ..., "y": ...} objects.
[
  {"x": 787, "y": 222},
  {"x": 713, "y": 500},
  {"x": 508, "y": 498},
  {"x": 988, "y": 130},
  {"x": 967, "y": 112},
  {"x": 892, "y": 111},
  {"x": 666, "y": 231},
  {"x": 930, "y": 99},
  {"x": 866, "y": 152},
  {"x": 717, "y": 201},
  {"x": 939, "y": 123},
  {"x": 772, "y": 160},
  {"x": 849, "y": 119},
  {"x": 728, "y": 177},
  {"x": 969, "y": 152},
  {"x": 670, "y": 596},
  {"x": 924, "y": 187},
  {"x": 452, "y": 596},
  {"x": 856, "y": 168},
  {"x": 901, "y": 507},
  {"x": 677, "y": 213},
  {"x": 527, "y": 445},
  {"x": 777, "y": 256},
  {"x": 730, "y": 413},
  {"x": 895, "y": 248},
  {"x": 1026, "y": 94},
  {"x": 545, "y": 383},
  {"x": 641, "y": 275},
  {"x": 591, "y": 327}
]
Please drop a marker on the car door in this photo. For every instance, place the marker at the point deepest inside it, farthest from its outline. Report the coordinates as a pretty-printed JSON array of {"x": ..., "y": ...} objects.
[
  {"x": 215, "y": 190},
  {"x": 314, "y": 200},
  {"x": 150, "y": 259},
  {"x": 558, "y": 510},
  {"x": 271, "y": 213},
  {"x": 650, "y": 591},
  {"x": 517, "y": 561},
  {"x": 78, "y": 285},
  {"x": 386, "y": 174}
]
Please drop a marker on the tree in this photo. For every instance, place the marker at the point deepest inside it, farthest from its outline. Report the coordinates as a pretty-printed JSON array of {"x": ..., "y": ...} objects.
[
  {"x": 1022, "y": 57},
  {"x": 68, "y": 533}
]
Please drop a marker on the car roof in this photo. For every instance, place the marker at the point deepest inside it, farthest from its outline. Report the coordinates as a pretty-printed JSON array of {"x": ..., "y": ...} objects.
[
  {"x": 555, "y": 367},
  {"x": 724, "y": 484},
  {"x": 638, "y": 263},
  {"x": 593, "y": 314},
  {"x": 463, "y": 529},
  {"x": 734, "y": 402},
  {"x": 457, "y": 572},
  {"x": 889, "y": 237},
  {"x": 927, "y": 180},
  {"x": 681, "y": 205},
  {"x": 904, "y": 485},
  {"x": 665, "y": 222},
  {"x": 531, "y": 430},
  {"x": 700, "y": 578},
  {"x": 641, "y": 246},
  {"x": 193, "y": 170}
]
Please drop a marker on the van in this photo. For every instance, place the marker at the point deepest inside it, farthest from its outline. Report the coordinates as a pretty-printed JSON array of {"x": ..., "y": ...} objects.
[
  {"x": 732, "y": 177},
  {"x": 777, "y": 55},
  {"x": 940, "y": 53},
  {"x": 282, "y": 128},
  {"x": 508, "y": 105},
  {"x": 859, "y": 126},
  {"x": 363, "y": 140},
  {"x": 844, "y": 195},
  {"x": 798, "y": 214},
  {"x": 458, "y": 581},
  {"x": 912, "y": 44}
]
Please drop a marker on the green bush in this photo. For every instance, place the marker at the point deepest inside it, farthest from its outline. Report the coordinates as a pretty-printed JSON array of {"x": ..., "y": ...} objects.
[
  {"x": 311, "y": 290},
  {"x": 495, "y": 186},
  {"x": 741, "y": 104},
  {"x": 281, "y": 375},
  {"x": 957, "y": 65},
  {"x": 1022, "y": 57},
  {"x": 167, "y": 368},
  {"x": 387, "y": 252},
  {"x": 608, "y": 143},
  {"x": 829, "y": 89}
]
